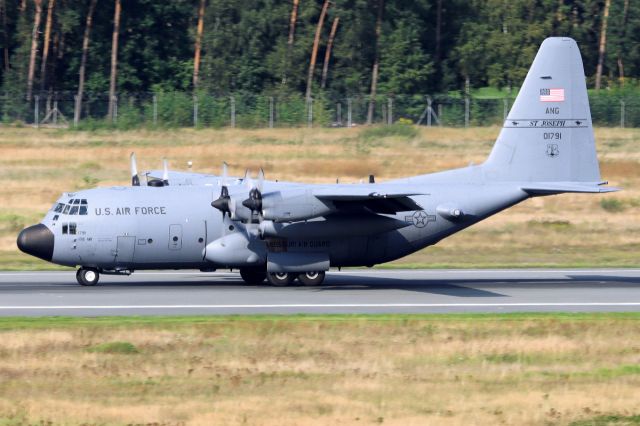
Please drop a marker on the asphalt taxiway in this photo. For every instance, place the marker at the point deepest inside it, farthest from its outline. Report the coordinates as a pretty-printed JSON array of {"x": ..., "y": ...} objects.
[{"x": 346, "y": 292}]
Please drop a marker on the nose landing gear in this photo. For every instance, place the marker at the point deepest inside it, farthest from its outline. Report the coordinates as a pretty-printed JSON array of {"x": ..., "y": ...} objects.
[{"x": 87, "y": 276}]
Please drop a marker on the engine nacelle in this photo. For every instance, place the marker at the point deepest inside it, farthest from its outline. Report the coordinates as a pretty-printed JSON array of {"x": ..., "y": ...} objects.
[
  {"x": 298, "y": 205},
  {"x": 236, "y": 249}
]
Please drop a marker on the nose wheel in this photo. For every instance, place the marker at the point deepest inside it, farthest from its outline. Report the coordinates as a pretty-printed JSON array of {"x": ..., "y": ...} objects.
[{"x": 87, "y": 276}]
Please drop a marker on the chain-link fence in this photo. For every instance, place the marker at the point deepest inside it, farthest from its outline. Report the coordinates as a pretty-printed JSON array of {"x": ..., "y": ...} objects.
[{"x": 247, "y": 110}]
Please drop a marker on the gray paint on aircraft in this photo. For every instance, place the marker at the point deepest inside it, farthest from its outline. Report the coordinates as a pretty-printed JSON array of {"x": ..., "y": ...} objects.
[{"x": 545, "y": 147}]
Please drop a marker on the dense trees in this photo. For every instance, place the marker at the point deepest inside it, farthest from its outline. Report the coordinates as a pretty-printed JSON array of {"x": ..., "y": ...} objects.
[{"x": 265, "y": 46}]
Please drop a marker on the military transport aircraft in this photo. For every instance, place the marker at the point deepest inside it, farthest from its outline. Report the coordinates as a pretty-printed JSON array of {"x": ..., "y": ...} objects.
[{"x": 284, "y": 231}]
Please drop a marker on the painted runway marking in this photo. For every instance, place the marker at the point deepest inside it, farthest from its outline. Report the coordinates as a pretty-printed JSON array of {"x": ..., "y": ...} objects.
[
  {"x": 376, "y": 271},
  {"x": 330, "y": 305}
]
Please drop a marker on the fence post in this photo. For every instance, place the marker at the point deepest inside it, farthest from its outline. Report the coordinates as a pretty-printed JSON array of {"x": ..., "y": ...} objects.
[
  {"x": 440, "y": 108},
  {"x": 349, "y": 120},
  {"x": 429, "y": 110},
  {"x": 622, "y": 113},
  {"x": 271, "y": 112},
  {"x": 390, "y": 113},
  {"x": 233, "y": 111},
  {"x": 466, "y": 111},
  {"x": 339, "y": 114},
  {"x": 36, "y": 113},
  {"x": 310, "y": 112},
  {"x": 195, "y": 110},
  {"x": 505, "y": 108},
  {"x": 155, "y": 110}
]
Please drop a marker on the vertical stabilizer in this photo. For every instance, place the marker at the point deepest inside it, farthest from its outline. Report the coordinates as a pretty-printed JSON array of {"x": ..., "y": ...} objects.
[{"x": 548, "y": 136}]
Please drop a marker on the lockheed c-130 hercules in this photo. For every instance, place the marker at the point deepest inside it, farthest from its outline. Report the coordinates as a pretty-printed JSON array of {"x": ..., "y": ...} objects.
[{"x": 282, "y": 231}]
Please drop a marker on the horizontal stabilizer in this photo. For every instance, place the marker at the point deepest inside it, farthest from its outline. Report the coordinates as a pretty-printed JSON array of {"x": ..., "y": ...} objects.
[{"x": 550, "y": 188}]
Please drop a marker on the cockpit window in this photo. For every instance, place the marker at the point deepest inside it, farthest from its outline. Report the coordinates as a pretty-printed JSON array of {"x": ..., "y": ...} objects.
[{"x": 73, "y": 207}]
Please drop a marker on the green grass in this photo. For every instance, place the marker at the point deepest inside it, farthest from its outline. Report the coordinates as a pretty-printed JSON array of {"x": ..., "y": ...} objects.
[
  {"x": 114, "y": 348},
  {"x": 22, "y": 323},
  {"x": 609, "y": 420},
  {"x": 613, "y": 205},
  {"x": 403, "y": 131}
]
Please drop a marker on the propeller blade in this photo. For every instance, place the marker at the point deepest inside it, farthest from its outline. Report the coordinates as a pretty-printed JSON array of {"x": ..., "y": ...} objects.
[
  {"x": 225, "y": 173},
  {"x": 165, "y": 171},
  {"x": 260, "y": 183},
  {"x": 247, "y": 179},
  {"x": 135, "y": 179}
]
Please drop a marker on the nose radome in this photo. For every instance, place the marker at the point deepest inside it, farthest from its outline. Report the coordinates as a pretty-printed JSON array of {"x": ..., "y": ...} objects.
[{"x": 37, "y": 240}]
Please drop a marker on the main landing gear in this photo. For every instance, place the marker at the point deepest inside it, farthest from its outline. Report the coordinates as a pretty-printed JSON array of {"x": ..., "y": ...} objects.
[
  {"x": 311, "y": 278},
  {"x": 282, "y": 279},
  {"x": 87, "y": 276},
  {"x": 256, "y": 276}
]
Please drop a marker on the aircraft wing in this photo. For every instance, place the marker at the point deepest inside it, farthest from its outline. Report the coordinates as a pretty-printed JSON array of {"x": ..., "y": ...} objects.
[
  {"x": 379, "y": 201},
  {"x": 184, "y": 178}
]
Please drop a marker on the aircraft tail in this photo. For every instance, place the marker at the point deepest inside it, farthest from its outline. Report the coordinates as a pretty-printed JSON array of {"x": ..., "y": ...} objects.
[{"x": 548, "y": 134}]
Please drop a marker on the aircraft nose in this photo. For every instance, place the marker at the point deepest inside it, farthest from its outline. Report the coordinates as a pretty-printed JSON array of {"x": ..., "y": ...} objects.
[{"x": 37, "y": 240}]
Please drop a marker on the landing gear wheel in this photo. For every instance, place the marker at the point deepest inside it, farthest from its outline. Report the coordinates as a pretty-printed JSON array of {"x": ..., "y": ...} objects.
[
  {"x": 311, "y": 278},
  {"x": 280, "y": 279},
  {"x": 87, "y": 276},
  {"x": 253, "y": 276}
]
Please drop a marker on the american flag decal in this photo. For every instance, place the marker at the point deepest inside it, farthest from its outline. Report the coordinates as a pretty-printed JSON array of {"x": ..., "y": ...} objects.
[{"x": 551, "y": 95}]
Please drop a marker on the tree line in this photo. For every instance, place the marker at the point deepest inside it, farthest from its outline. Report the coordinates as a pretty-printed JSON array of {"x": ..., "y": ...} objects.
[{"x": 305, "y": 47}]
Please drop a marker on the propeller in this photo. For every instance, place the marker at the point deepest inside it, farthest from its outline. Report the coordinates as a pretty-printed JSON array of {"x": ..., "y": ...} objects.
[
  {"x": 254, "y": 202},
  {"x": 165, "y": 172},
  {"x": 223, "y": 202},
  {"x": 135, "y": 179}
]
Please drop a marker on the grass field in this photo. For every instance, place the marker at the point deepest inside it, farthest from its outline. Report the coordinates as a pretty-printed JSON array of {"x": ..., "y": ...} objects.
[
  {"x": 520, "y": 369},
  {"x": 561, "y": 231}
]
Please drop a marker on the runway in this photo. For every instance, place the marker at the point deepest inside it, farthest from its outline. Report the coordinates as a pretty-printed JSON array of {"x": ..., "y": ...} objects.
[{"x": 346, "y": 292}]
